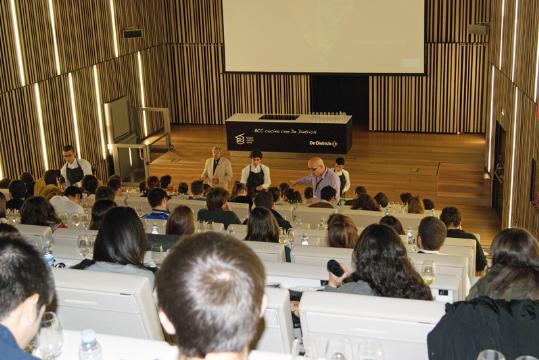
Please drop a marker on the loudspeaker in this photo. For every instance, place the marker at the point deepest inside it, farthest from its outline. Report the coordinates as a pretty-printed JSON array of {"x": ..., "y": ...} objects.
[{"x": 132, "y": 33}]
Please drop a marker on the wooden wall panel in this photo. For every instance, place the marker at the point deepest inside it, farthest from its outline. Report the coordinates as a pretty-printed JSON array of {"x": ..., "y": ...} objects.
[
  {"x": 9, "y": 74},
  {"x": 194, "y": 21}
]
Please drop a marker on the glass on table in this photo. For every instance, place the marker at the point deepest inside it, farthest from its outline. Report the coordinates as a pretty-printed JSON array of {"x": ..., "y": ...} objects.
[
  {"x": 158, "y": 254},
  {"x": 428, "y": 271},
  {"x": 490, "y": 354},
  {"x": 85, "y": 245},
  {"x": 75, "y": 220},
  {"x": 369, "y": 350},
  {"x": 339, "y": 348},
  {"x": 50, "y": 338}
]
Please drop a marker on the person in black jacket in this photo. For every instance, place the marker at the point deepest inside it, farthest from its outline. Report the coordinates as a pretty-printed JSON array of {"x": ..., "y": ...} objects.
[{"x": 265, "y": 199}]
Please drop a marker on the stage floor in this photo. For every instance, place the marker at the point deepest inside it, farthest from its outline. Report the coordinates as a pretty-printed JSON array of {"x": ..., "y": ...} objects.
[{"x": 447, "y": 169}]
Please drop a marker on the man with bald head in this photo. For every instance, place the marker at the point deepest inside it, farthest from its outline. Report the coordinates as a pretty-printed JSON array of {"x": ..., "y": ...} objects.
[{"x": 320, "y": 177}]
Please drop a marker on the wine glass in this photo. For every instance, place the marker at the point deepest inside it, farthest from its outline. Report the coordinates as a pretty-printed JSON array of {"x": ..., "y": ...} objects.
[
  {"x": 85, "y": 245},
  {"x": 158, "y": 254},
  {"x": 339, "y": 348},
  {"x": 428, "y": 271},
  {"x": 50, "y": 338},
  {"x": 526, "y": 357},
  {"x": 75, "y": 220},
  {"x": 490, "y": 354},
  {"x": 369, "y": 350}
]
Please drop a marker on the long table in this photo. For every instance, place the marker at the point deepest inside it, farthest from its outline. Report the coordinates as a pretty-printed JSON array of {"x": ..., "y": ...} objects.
[{"x": 328, "y": 134}]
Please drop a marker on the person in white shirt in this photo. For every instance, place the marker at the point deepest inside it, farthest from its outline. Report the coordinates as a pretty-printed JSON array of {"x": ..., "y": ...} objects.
[
  {"x": 74, "y": 169},
  {"x": 256, "y": 175},
  {"x": 68, "y": 203},
  {"x": 431, "y": 235},
  {"x": 344, "y": 175},
  {"x": 217, "y": 169}
]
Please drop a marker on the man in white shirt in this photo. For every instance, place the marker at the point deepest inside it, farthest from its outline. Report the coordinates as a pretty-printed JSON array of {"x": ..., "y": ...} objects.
[
  {"x": 431, "y": 235},
  {"x": 256, "y": 175},
  {"x": 344, "y": 175},
  {"x": 217, "y": 169},
  {"x": 68, "y": 203},
  {"x": 74, "y": 169}
]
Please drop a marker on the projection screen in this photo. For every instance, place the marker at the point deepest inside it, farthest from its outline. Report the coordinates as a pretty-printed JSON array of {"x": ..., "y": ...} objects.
[{"x": 324, "y": 36}]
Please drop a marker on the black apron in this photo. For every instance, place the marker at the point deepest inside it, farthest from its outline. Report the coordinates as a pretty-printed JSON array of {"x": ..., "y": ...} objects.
[
  {"x": 74, "y": 175},
  {"x": 254, "y": 180},
  {"x": 343, "y": 182}
]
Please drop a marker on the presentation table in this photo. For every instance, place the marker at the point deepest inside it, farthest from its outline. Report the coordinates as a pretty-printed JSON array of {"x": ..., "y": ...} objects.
[{"x": 328, "y": 134}]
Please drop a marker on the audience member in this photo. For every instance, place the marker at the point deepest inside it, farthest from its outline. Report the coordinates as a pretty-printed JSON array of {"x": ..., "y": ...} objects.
[
  {"x": 365, "y": 202},
  {"x": 415, "y": 205},
  {"x": 239, "y": 194},
  {"x": 27, "y": 288},
  {"x": 452, "y": 218},
  {"x": 428, "y": 204},
  {"x": 265, "y": 199},
  {"x": 405, "y": 197},
  {"x": 3, "y": 209},
  {"x": 8, "y": 230},
  {"x": 181, "y": 221},
  {"x": 206, "y": 188},
  {"x": 344, "y": 175},
  {"x": 295, "y": 197},
  {"x": 4, "y": 183},
  {"x": 158, "y": 200},
  {"x": 143, "y": 189},
  {"x": 319, "y": 178},
  {"x": 515, "y": 268},
  {"x": 282, "y": 188},
  {"x": 217, "y": 208},
  {"x": 89, "y": 185},
  {"x": 165, "y": 181},
  {"x": 393, "y": 222},
  {"x": 197, "y": 190},
  {"x": 17, "y": 190},
  {"x": 381, "y": 199},
  {"x": 183, "y": 189},
  {"x": 99, "y": 209},
  {"x": 308, "y": 196},
  {"x": 289, "y": 194},
  {"x": 29, "y": 181},
  {"x": 342, "y": 232},
  {"x": 69, "y": 202},
  {"x": 262, "y": 226},
  {"x": 217, "y": 169},
  {"x": 104, "y": 193},
  {"x": 210, "y": 293},
  {"x": 152, "y": 182},
  {"x": 276, "y": 193},
  {"x": 115, "y": 183},
  {"x": 36, "y": 210},
  {"x": 327, "y": 198},
  {"x": 358, "y": 191},
  {"x": 50, "y": 183},
  {"x": 431, "y": 235},
  {"x": 74, "y": 169},
  {"x": 256, "y": 175}
]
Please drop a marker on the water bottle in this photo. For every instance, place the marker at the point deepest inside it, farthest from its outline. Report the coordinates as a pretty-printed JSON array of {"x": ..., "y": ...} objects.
[
  {"x": 89, "y": 347},
  {"x": 304, "y": 239},
  {"x": 155, "y": 229},
  {"x": 386, "y": 211},
  {"x": 49, "y": 258},
  {"x": 433, "y": 212},
  {"x": 410, "y": 235}
]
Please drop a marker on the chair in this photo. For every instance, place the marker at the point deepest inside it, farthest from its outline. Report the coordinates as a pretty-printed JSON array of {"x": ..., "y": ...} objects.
[
  {"x": 400, "y": 326},
  {"x": 37, "y": 235},
  {"x": 278, "y": 332},
  {"x": 109, "y": 303},
  {"x": 267, "y": 251},
  {"x": 288, "y": 275},
  {"x": 241, "y": 209},
  {"x": 138, "y": 202},
  {"x": 69, "y": 236},
  {"x": 237, "y": 230},
  {"x": 313, "y": 216},
  {"x": 194, "y": 205}
]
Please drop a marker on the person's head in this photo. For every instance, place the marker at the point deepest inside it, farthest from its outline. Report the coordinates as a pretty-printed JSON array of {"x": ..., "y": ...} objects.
[
  {"x": 142, "y": 188},
  {"x": 415, "y": 205},
  {"x": 36, "y": 210},
  {"x": 360, "y": 190},
  {"x": 89, "y": 184},
  {"x": 210, "y": 291},
  {"x": 206, "y": 189},
  {"x": 51, "y": 177},
  {"x": 264, "y": 199},
  {"x": 256, "y": 157},
  {"x": 27, "y": 177},
  {"x": 262, "y": 226},
  {"x": 216, "y": 152},
  {"x": 99, "y": 209},
  {"x": 115, "y": 183},
  {"x": 288, "y": 195},
  {"x": 431, "y": 233},
  {"x": 27, "y": 287},
  {"x": 158, "y": 198},
  {"x": 69, "y": 154},
  {"x": 405, "y": 197},
  {"x": 342, "y": 232},
  {"x": 316, "y": 166},
  {"x": 308, "y": 193},
  {"x": 121, "y": 238},
  {"x": 339, "y": 164},
  {"x": 104, "y": 192},
  {"x": 393, "y": 222},
  {"x": 451, "y": 217},
  {"x": 328, "y": 194},
  {"x": 183, "y": 188},
  {"x": 283, "y": 187},
  {"x": 217, "y": 197},
  {"x": 239, "y": 189},
  {"x": 365, "y": 202},
  {"x": 3, "y": 204},
  {"x": 275, "y": 192},
  {"x": 165, "y": 181},
  {"x": 428, "y": 204},
  {"x": 381, "y": 199},
  {"x": 152, "y": 182},
  {"x": 181, "y": 221},
  {"x": 7, "y": 229},
  {"x": 197, "y": 188},
  {"x": 73, "y": 193},
  {"x": 380, "y": 259},
  {"x": 17, "y": 189}
]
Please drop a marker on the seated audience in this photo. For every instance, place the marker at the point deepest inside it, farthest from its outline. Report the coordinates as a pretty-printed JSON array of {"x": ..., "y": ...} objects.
[
  {"x": 4, "y": 183},
  {"x": 17, "y": 190},
  {"x": 120, "y": 245},
  {"x": 51, "y": 183},
  {"x": 99, "y": 209},
  {"x": 405, "y": 197},
  {"x": 115, "y": 183},
  {"x": 358, "y": 191},
  {"x": 181, "y": 221},
  {"x": 152, "y": 182},
  {"x": 217, "y": 208},
  {"x": 276, "y": 193},
  {"x": 288, "y": 194},
  {"x": 210, "y": 293},
  {"x": 515, "y": 268},
  {"x": 158, "y": 200},
  {"x": 197, "y": 190},
  {"x": 36, "y": 210},
  {"x": 381, "y": 199},
  {"x": 206, "y": 188},
  {"x": 183, "y": 190},
  {"x": 294, "y": 197},
  {"x": 342, "y": 232},
  {"x": 327, "y": 198},
  {"x": 365, "y": 202},
  {"x": 282, "y": 188},
  {"x": 89, "y": 185},
  {"x": 104, "y": 193},
  {"x": 382, "y": 268},
  {"x": 428, "y": 204},
  {"x": 165, "y": 182},
  {"x": 431, "y": 235},
  {"x": 27, "y": 288},
  {"x": 452, "y": 218},
  {"x": 415, "y": 205},
  {"x": 29, "y": 181},
  {"x": 265, "y": 199},
  {"x": 3, "y": 202},
  {"x": 143, "y": 189},
  {"x": 262, "y": 226},
  {"x": 393, "y": 222},
  {"x": 239, "y": 194},
  {"x": 69, "y": 202},
  {"x": 308, "y": 196}
]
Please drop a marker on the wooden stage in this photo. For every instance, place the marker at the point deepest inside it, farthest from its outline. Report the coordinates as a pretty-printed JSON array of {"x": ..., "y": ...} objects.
[{"x": 448, "y": 169}]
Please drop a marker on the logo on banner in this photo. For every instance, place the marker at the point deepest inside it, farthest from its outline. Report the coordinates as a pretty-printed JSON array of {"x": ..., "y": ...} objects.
[
  {"x": 324, "y": 143},
  {"x": 240, "y": 139}
]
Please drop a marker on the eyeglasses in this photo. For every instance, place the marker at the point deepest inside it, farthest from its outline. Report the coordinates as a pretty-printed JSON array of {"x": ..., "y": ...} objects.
[{"x": 314, "y": 169}]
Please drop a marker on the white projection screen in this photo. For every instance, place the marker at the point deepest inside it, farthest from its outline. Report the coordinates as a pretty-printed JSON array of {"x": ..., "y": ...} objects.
[{"x": 324, "y": 36}]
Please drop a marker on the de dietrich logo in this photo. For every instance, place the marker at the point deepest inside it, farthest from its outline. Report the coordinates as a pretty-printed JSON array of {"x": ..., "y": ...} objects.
[
  {"x": 324, "y": 143},
  {"x": 240, "y": 139}
]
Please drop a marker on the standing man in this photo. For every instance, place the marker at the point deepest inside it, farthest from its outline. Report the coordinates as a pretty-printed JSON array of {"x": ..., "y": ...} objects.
[
  {"x": 255, "y": 175},
  {"x": 74, "y": 169},
  {"x": 217, "y": 169},
  {"x": 320, "y": 177},
  {"x": 344, "y": 176}
]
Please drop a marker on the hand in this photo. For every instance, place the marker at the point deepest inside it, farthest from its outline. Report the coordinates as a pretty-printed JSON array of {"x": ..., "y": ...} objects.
[
  {"x": 292, "y": 182},
  {"x": 259, "y": 188},
  {"x": 335, "y": 281},
  {"x": 225, "y": 207},
  {"x": 215, "y": 181}
]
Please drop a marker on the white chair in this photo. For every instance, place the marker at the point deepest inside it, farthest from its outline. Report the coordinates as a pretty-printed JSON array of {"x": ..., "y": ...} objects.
[
  {"x": 466, "y": 252},
  {"x": 313, "y": 216},
  {"x": 278, "y": 331},
  {"x": 267, "y": 251},
  {"x": 194, "y": 205},
  {"x": 69, "y": 236},
  {"x": 241, "y": 209},
  {"x": 239, "y": 231},
  {"x": 319, "y": 256},
  {"x": 363, "y": 218},
  {"x": 158, "y": 225},
  {"x": 37, "y": 235},
  {"x": 109, "y": 303},
  {"x": 138, "y": 203},
  {"x": 400, "y": 326},
  {"x": 316, "y": 237},
  {"x": 289, "y": 275}
]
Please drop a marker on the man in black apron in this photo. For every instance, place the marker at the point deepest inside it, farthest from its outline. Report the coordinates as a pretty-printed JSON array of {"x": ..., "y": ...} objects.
[
  {"x": 74, "y": 169},
  {"x": 344, "y": 176},
  {"x": 255, "y": 175}
]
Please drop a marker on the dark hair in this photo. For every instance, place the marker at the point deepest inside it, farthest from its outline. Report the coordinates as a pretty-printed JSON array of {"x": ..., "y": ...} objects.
[
  {"x": 152, "y": 182},
  {"x": 515, "y": 257},
  {"x": 342, "y": 232},
  {"x": 7, "y": 229},
  {"x": 51, "y": 177},
  {"x": 308, "y": 193},
  {"x": 17, "y": 189},
  {"x": 365, "y": 202},
  {"x": 3, "y": 205},
  {"x": 89, "y": 184},
  {"x": 255, "y": 154},
  {"x": 327, "y": 193},
  {"x": 115, "y": 182},
  {"x": 206, "y": 188},
  {"x": 4, "y": 183},
  {"x": 99, "y": 209},
  {"x": 211, "y": 287},
  {"x": 288, "y": 194},
  {"x": 393, "y": 222},
  {"x": 217, "y": 197},
  {"x": 380, "y": 259},
  {"x": 181, "y": 221},
  {"x": 165, "y": 181},
  {"x": 428, "y": 204},
  {"x": 183, "y": 188},
  {"x": 23, "y": 272},
  {"x": 36, "y": 210},
  {"x": 283, "y": 187},
  {"x": 121, "y": 238},
  {"x": 264, "y": 199},
  {"x": 27, "y": 177},
  {"x": 415, "y": 205},
  {"x": 381, "y": 199},
  {"x": 405, "y": 197},
  {"x": 142, "y": 188},
  {"x": 68, "y": 148},
  {"x": 156, "y": 196},
  {"x": 360, "y": 190},
  {"x": 293, "y": 196},
  {"x": 262, "y": 226},
  {"x": 451, "y": 216},
  {"x": 275, "y": 192},
  {"x": 339, "y": 161},
  {"x": 104, "y": 193},
  {"x": 197, "y": 187},
  {"x": 237, "y": 188},
  {"x": 72, "y": 191},
  {"x": 432, "y": 232}
]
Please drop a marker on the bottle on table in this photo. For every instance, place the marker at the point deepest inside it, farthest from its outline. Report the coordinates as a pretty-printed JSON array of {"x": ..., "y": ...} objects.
[{"x": 89, "y": 347}]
